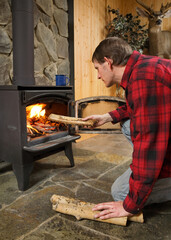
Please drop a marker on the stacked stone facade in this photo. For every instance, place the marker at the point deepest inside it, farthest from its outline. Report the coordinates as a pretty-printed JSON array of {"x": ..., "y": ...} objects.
[{"x": 50, "y": 41}]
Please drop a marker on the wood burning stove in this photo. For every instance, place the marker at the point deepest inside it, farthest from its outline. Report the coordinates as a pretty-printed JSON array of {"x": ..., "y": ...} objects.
[
  {"x": 25, "y": 139},
  {"x": 17, "y": 145}
]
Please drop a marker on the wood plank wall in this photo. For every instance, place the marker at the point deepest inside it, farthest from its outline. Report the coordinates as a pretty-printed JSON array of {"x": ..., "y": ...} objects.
[{"x": 90, "y": 18}]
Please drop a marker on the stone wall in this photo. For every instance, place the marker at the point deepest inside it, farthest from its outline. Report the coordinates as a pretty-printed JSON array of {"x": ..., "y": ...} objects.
[{"x": 50, "y": 41}]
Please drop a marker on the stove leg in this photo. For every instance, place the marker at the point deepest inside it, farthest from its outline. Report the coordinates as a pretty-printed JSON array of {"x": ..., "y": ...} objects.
[
  {"x": 22, "y": 173},
  {"x": 69, "y": 153}
]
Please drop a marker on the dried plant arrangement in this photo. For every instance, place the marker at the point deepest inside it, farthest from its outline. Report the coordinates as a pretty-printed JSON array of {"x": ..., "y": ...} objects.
[{"x": 129, "y": 28}]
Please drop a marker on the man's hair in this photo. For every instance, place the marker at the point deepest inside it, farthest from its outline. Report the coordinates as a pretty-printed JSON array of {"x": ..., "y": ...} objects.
[{"x": 114, "y": 48}]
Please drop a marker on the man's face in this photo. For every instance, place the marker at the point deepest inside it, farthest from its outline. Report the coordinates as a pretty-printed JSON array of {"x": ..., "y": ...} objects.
[{"x": 104, "y": 73}]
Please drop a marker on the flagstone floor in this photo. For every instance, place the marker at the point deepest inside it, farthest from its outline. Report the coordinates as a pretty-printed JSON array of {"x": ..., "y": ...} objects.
[{"x": 99, "y": 160}]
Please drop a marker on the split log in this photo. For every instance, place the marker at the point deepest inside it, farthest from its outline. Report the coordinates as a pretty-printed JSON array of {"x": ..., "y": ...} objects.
[
  {"x": 137, "y": 218},
  {"x": 83, "y": 210},
  {"x": 71, "y": 120}
]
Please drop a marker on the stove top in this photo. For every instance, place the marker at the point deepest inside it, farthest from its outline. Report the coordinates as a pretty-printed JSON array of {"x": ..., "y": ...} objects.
[{"x": 33, "y": 87}]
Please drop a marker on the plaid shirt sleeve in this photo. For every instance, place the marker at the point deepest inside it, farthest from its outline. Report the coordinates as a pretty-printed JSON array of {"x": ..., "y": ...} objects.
[
  {"x": 149, "y": 102},
  {"x": 119, "y": 114}
]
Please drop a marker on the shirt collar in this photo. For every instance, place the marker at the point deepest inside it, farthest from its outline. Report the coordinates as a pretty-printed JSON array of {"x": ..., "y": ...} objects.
[{"x": 129, "y": 67}]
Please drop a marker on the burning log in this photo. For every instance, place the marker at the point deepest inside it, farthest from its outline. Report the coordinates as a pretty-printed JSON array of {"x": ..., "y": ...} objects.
[
  {"x": 44, "y": 125},
  {"x": 38, "y": 123},
  {"x": 83, "y": 210},
  {"x": 71, "y": 120},
  {"x": 32, "y": 132},
  {"x": 37, "y": 129},
  {"x": 44, "y": 129}
]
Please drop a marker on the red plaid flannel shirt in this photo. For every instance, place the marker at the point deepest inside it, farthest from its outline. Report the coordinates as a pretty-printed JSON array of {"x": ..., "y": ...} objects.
[{"x": 147, "y": 84}]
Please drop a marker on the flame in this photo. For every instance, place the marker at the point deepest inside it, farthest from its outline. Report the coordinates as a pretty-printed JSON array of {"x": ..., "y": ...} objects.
[
  {"x": 38, "y": 123},
  {"x": 36, "y": 110}
]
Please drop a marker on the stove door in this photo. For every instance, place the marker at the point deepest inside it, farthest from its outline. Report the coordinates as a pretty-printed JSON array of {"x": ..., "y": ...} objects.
[{"x": 97, "y": 105}]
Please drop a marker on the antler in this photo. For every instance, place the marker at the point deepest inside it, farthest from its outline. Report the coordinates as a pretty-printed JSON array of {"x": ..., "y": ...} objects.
[
  {"x": 145, "y": 6},
  {"x": 164, "y": 9}
]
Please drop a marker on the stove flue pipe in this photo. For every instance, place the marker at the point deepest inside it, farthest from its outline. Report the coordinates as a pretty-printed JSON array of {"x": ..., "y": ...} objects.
[{"x": 23, "y": 42}]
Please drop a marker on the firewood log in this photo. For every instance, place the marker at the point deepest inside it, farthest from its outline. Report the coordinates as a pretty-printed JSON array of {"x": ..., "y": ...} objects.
[
  {"x": 137, "y": 218},
  {"x": 70, "y": 120},
  {"x": 83, "y": 210}
]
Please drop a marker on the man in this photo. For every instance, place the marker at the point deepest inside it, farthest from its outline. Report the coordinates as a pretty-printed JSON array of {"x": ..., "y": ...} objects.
[{"x": 147, "y": 84}]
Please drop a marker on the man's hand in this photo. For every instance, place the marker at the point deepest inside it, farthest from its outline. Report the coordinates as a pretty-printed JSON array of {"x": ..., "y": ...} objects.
[
  {"x": 111, "y": 210},
  {"x": 101, "y": 119}
]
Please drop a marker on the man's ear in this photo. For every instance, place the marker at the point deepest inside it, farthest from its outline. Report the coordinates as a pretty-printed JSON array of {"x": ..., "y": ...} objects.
[{"x": 109, "y": 61}]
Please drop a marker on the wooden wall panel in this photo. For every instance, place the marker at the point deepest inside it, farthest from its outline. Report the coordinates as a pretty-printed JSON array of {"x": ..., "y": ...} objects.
[
  {"x": 90, "y": 19},
  {"x": 89, "y": 30}
]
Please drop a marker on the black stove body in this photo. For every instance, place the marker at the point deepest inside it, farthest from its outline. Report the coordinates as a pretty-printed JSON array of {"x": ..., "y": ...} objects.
[{"x": 15, "y": 145}]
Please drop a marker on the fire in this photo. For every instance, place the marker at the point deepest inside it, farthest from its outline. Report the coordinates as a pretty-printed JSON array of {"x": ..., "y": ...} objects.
[
  {"x": 36, "y": 110},
  {"x": 38, "y": 123}
]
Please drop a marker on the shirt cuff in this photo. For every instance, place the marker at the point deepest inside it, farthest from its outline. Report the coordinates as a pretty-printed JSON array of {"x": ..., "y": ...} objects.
[
  {"x": 115, "y": 116},
  {"x": 130, "y": 206}
]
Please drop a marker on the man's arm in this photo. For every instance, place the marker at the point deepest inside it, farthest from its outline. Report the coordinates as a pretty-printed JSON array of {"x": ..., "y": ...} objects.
[
  {"x": 114, "y": 116},
  {"x": 151, "y": 123},
  {"x": 101, "y": 119},
  {"x": 119, "y": 114},
  {"x": 151, "y": 129}
]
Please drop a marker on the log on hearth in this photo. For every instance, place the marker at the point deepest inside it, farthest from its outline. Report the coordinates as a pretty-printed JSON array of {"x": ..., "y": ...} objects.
[{"x": 83, "y": 210}]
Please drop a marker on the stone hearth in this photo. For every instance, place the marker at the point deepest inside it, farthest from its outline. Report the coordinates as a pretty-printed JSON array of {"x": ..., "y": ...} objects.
[{"x": 29, "y": 215}]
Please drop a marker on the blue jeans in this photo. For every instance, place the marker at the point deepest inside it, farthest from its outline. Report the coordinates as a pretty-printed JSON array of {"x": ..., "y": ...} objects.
[{"x": 162, "y": 188}]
